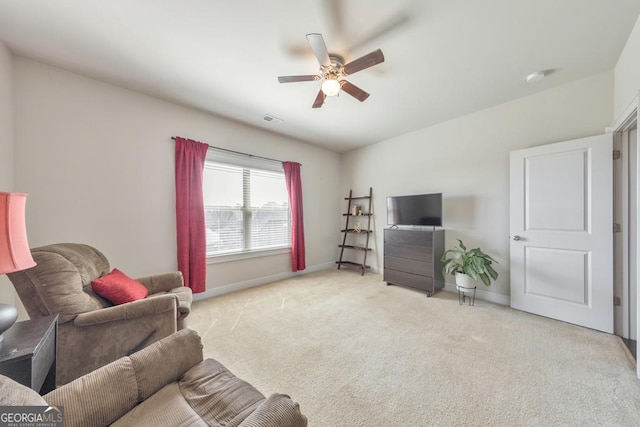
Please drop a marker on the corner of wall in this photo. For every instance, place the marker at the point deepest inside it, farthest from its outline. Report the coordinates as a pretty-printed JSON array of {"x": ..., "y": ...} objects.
[{"x": 627, "y": 72}]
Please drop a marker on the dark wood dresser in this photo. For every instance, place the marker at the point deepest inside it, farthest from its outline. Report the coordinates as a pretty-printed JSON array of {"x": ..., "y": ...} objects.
[{"x": 412, "y": 258}]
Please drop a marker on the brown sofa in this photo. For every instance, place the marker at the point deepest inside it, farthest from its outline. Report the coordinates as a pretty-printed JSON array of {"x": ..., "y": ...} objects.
[
  {"x": 91, "y": 331},
  {"x": 165, "y": 384}
]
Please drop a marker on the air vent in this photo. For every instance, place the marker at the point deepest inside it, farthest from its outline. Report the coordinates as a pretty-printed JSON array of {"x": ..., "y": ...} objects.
[{"x": 270, "y": 119}]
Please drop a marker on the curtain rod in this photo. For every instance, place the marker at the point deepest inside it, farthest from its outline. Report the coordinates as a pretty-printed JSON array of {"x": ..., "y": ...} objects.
[{"x": 238, "y": 152}]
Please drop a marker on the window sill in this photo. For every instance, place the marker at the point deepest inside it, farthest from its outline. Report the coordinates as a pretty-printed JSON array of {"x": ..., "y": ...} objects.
[{"x": 217, "y": 259}]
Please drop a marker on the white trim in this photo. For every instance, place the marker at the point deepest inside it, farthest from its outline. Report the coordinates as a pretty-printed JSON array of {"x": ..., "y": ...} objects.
[
  {"x": 234, "y": 287},
  {"x": 217, "y": 155},
  {"x": 623, "y": 123},
  {"x": 623, "y": 309},
  {"x": 256, "y": 253},
  {"x": 625, "y": 119},
  {"x": 482, "y": 294}
]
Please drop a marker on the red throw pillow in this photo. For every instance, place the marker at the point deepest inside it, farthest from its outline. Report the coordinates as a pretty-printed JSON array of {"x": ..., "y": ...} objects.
[{"x": 119, "y": 288}]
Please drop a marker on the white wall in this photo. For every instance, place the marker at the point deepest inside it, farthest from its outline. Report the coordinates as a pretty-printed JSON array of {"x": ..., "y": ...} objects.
[
  {"x": 6, "y": 120},
  {"x": 7, "y": 295},
  {"x": 627, "y": 72},
  {"x": 98, "y": 163},
  {"x": 468, "y": 160}
]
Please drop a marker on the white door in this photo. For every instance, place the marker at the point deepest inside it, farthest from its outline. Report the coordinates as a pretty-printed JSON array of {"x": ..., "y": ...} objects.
[{"x": 561, "y": 229}]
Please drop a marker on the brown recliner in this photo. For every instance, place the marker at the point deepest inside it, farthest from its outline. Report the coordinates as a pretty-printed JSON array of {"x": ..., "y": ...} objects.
[
  {"x": 91, "y": 331},
  {"x": 166, "y": 384}
]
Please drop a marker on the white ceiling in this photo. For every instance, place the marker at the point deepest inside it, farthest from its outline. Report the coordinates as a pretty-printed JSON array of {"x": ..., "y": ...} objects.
[{"x": 444, "y": 58}]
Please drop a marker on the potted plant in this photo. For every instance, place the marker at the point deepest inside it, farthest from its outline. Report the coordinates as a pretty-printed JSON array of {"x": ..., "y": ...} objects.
[{"x": 468, "y": 266}]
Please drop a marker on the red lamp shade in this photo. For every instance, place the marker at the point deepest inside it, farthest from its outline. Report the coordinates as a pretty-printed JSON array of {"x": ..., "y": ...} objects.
[{"x": 14, "y": 247}]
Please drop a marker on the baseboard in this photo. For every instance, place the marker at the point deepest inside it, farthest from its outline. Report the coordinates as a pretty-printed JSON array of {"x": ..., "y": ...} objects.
[
  {"x": 483, "y": 295},
  {"x": 234, "y": 287}
]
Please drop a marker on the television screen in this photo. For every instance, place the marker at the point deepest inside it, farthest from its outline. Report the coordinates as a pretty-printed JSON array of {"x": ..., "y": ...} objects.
[{"x": 419, "y": 209}]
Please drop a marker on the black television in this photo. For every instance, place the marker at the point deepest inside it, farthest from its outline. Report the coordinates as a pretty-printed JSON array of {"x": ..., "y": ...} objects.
[{"x": 417, "y": 209}]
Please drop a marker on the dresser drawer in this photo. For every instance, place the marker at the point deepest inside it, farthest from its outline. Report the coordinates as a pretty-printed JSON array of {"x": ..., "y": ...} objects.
[
  {"x": 419, "y": 253},
  {"x": 407, "y": 279},
  {"x": 408, "y": 237},
  {"x": 409, "y": 265},
  {"x": 412, "y": 258}
]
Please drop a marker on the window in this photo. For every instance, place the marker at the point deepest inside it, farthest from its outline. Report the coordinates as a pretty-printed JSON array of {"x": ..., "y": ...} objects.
[{"x": 246, "y": 204}]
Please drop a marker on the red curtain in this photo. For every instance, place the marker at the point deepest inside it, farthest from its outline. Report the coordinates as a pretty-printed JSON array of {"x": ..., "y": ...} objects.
[
  {"x": 192, "y": 249},
  {"x": 294, "y": 188}
]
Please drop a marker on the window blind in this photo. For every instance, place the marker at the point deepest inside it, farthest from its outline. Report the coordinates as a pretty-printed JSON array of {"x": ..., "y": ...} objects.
[{"x": 246, "y": 209}]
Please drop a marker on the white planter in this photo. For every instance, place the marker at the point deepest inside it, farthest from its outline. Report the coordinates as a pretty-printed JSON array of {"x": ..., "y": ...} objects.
[{"x": 465, "y": 282}]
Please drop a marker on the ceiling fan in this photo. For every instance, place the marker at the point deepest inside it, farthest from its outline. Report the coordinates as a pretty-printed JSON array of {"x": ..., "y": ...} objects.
[{"x": 333, "y": 69}]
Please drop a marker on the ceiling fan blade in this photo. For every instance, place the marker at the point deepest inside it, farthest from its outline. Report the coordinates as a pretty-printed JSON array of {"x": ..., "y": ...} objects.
[
  {"x": 319, "y": 99},
  {"x": 354, "y": 91},
  {"x": 319, "y": 48},
  {"x": 369, "y": 60},
  {"x": 290, "y": 79}
]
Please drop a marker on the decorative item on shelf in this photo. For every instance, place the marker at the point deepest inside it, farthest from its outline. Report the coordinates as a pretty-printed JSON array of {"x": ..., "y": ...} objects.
[
  {"x": 468, "y": 266},
  {"x": 359, "y": 210},
  {"x": 354, "y": 209},
  {"x": 14, "y": 247},
  {"x": 357, "y": 227}
]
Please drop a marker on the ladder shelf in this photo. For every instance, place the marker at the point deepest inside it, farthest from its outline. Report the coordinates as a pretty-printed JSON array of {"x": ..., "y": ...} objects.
[{"x": 359, "y": 232}]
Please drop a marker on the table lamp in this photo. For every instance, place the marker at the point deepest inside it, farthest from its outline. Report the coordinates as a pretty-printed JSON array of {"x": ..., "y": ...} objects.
[{"x": 14, "y": 247}]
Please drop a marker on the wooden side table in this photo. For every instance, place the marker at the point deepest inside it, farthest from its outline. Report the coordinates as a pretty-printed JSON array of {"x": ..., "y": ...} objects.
[{"x": 28, "y": 353}]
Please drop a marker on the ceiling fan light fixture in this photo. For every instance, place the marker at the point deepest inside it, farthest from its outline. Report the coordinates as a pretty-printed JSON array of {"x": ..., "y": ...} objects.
[
  {"x": 331, "y": 87},
  {"x": 333, "y": 68}
]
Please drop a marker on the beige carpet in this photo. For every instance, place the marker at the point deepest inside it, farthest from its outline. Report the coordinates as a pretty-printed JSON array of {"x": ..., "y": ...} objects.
[{"x": 355, "y": 352}]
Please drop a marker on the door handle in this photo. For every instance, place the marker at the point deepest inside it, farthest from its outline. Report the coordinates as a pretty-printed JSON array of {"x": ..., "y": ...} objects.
[{"x": 516, "y": 238}]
